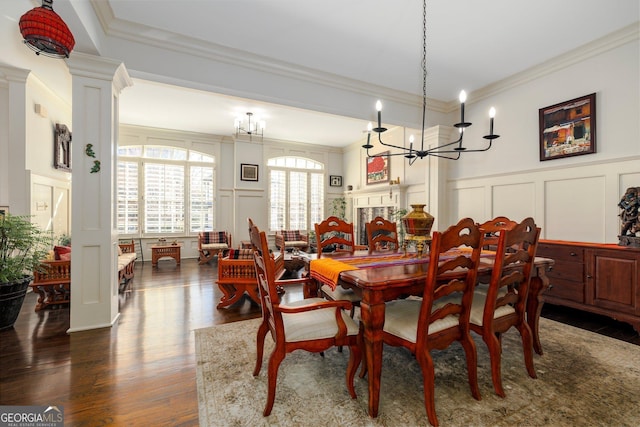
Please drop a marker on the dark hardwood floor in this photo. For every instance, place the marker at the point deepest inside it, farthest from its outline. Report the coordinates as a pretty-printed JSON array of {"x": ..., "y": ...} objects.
[{"x": 142, "y": 370}]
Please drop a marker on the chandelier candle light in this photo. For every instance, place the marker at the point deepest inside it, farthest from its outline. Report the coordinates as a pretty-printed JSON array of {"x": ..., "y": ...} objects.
[{"x": 451, "y": 150}]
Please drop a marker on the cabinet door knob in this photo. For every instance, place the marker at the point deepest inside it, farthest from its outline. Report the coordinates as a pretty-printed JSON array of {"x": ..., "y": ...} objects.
[
  {"x": 573, "y": 254},
  {"x": 589, "y": 276}
]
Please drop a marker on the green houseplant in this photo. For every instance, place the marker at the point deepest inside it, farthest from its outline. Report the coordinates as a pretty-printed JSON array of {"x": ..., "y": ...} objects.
[{"x": 23, "y": 245}]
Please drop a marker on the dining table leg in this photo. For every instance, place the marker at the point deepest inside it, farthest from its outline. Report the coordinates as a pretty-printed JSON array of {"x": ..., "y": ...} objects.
[
  {"x": 372, "y": 316},
  {"x": 539, "y": 284}
]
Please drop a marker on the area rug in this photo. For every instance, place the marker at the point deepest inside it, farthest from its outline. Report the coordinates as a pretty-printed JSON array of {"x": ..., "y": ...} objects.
[{"x": 584, "y": 379}]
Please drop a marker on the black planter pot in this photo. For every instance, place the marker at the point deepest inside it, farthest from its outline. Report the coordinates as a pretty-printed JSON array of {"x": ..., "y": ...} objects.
[{"x": 11, "y": 299}]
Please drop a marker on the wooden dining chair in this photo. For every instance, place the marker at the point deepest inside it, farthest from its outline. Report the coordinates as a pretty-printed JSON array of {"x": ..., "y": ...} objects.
[
  {"x": 334, "y": 233},
  {"x": 503, "y": 305},
  {"x": 435, "y": 322},
  {"x": 492, "y": 229},
  {"x": 382, "y": 234},
  {"x": 312, "y": 324}
]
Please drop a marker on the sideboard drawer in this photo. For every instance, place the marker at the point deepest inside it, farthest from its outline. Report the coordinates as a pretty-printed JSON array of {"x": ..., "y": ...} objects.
[
  {"x": 561, "y": 252},
  {"x": 566, "y": 270},
  {"x": 565, "y": 289}
]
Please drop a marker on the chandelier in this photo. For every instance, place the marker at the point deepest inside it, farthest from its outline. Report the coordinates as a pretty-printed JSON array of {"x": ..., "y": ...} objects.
[
  {"x": 45, "y": 32},
  {"x": 255, "y": 127},
  {"x": 451, "y": 150}
]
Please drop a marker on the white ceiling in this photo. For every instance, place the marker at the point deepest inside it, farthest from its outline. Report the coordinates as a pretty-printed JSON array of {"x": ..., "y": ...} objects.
[{"x": 470, "y": 44}]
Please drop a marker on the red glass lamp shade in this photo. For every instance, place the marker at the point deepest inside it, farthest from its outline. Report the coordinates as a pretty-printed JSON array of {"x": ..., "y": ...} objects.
[{"x": 45, "y": 32}]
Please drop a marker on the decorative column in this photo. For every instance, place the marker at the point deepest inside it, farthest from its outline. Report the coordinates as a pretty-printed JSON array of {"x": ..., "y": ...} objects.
[
  {"x": 13, "y": 164},
  {"x": 436, "y": 175},
  {"x": 97, "y": 83}
]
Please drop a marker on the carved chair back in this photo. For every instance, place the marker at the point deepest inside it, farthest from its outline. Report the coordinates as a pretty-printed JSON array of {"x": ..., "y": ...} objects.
[
  {"x": 382, "y": 234},
  {"x": 335, "y": 232}
]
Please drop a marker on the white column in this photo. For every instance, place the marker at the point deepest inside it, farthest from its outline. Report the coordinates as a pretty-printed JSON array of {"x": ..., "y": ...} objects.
[
  {"x": 17, "y": 182},
  {"x": 97, "y": 83},
  {"x": 436, "y": 176}
]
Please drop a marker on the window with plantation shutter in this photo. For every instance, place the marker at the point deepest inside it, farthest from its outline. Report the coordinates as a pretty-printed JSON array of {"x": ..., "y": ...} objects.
[
  {"x": 127, "y": 209},
  {"x": 296, "y": 193},
  {"x": 164, "y": 190}
]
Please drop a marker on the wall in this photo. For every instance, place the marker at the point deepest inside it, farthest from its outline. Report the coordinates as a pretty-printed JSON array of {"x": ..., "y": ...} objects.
[{"x": 571, "y": 198}]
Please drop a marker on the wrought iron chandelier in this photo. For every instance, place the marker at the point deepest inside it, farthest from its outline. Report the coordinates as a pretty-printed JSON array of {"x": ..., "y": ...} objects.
[
  {"x": 250, "y": 128},
  {"x": 45, "y": 32},
  {"x": 451, "y": 150}
]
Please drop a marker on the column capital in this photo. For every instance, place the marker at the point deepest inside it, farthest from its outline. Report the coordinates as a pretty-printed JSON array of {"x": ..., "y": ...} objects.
[
  {"x": 13, "y": 74},
  {"x": 96, "y": 67}
]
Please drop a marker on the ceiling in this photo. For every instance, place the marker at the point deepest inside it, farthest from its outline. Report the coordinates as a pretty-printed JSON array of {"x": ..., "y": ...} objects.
[{"x": 470, "y": 44}]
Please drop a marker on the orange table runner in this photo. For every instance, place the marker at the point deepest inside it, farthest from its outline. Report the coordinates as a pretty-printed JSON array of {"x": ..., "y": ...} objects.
[{"x": 327, "y": 270}]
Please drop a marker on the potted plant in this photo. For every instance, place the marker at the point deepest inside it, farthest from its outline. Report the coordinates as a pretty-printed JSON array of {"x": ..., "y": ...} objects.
[
  {"x": 339, "y": 207},
  {"x": 23, "y": 246},
  {"x": 397, "y": 217},
  {"x": 64, "y": 240}
]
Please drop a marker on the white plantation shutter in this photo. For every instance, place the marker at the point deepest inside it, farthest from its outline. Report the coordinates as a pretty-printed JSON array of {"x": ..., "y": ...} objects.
[
  {"x": 278, "y": 199},
  {"x": 164, "y": 190},
  {"x": 163, "y": 198},
  {"x": 296, "y": 193},
  {"x": 201, "y": 198},
  {"x": 316, "y": 200},
  {"x": 127, "y": 207}
]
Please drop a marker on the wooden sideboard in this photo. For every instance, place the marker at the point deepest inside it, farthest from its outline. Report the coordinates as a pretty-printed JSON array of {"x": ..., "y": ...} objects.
[{"x": 599, "y": 278}]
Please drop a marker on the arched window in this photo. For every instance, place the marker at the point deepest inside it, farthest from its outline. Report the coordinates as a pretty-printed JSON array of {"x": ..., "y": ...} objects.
[
  {"x": 164, "y": 190},
  {"x": 296, "y": 193}
]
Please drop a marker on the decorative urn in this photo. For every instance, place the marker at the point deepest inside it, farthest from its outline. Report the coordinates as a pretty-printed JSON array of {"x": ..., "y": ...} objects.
[{"x": 418, "y": 222}]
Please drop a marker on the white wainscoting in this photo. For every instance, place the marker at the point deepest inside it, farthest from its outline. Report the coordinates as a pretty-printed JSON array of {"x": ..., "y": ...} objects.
[{"x": 569, "y": 202}]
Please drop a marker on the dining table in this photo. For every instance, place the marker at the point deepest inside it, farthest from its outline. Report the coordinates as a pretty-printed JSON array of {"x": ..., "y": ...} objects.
[{"x": 382, "y": 277}]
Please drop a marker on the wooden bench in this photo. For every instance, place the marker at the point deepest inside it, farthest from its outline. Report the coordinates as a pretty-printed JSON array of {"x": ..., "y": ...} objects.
[
  {"x": 237, "y": 275},
  {"x": 53, "y": 281}
]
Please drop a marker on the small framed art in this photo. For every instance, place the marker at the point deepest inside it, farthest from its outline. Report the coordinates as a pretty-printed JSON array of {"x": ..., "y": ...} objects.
[
  {"x": 248, "y": 172},
  {"x": 568, "y": 128},
  {"x": 62, "y": 148},
  {"x": 335, "y": 181}
]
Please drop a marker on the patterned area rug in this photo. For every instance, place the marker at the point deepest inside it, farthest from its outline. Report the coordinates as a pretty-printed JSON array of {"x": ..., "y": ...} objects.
[{"x": 584, "y": 379}]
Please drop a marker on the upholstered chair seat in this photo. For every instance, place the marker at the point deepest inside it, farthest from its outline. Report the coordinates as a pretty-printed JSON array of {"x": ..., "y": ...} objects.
[{"x": 315, "y": 324}]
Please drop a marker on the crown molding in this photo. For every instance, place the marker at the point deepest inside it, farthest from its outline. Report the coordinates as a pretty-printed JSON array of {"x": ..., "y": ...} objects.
[
  {"x": 138, "y": 33},
  {"x": 611, "y": 41}
]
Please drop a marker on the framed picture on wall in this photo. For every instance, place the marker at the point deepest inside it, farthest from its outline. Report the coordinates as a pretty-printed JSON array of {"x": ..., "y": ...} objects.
[
  {"x": 378, "y": 168},
  {"x": 62, "y": 148},
  {"x": 248, "y": 172},
  {"x": 335, "y": 181},
  {"x": 568, "y": 128}
]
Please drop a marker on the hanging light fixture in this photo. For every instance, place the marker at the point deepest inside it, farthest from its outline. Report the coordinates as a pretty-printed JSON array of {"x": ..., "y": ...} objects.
[
  {"x": 451, "y": 150},
  {"x": 255, "y": 127},
  {"x": 45, "y": 32}
]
